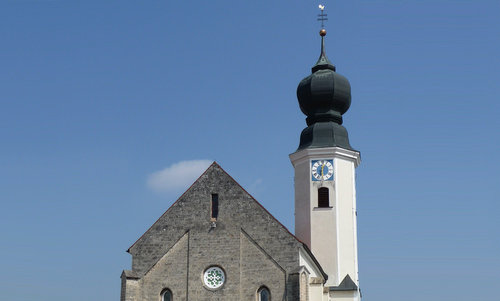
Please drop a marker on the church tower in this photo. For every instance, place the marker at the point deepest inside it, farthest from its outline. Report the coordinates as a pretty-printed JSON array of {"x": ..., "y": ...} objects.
[{"x": 325, "y": 178}]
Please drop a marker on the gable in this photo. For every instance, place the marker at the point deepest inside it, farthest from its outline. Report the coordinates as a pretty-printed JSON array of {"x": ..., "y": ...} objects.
[
  {"x": 192, "y": 212},
  {"x": 169, "y": 272}
]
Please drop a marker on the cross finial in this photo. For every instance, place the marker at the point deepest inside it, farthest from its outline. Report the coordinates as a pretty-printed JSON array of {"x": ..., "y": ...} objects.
[{"x": 322, "y": 17}]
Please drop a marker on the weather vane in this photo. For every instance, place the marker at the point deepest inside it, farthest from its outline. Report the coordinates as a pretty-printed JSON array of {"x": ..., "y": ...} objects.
[{"x": 322, "y": 17}]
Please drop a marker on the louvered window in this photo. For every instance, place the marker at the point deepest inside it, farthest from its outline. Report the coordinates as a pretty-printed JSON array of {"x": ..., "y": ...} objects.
[
  {"x": 215, "y": 206},
  {"x": 323, "y": 198}
]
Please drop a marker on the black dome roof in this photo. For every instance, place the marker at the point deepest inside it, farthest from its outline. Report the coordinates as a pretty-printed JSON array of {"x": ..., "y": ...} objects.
[{"x": 324, "y": 96}]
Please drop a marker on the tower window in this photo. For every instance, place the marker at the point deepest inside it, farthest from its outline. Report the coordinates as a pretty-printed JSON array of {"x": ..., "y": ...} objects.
[
  {"x": 323, "y": 198},
  {"x": 264, "y": 294},
  {"x": 215, "y": 206},
  {"x": 166, "y": 295}
]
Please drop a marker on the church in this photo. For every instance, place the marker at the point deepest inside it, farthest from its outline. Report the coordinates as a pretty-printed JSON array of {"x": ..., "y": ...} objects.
[{"x": 216, "y": 242}]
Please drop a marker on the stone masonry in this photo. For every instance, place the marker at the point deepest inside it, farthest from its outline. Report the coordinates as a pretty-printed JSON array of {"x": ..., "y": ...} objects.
[{"x": 250, "y": 245}]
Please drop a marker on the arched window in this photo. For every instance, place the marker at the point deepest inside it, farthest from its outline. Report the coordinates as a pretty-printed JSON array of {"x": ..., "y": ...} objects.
[
  {"x": 264, "y": 294},
  {"x": 166, "y": 295},
  {"x": 323, "y": 197}
]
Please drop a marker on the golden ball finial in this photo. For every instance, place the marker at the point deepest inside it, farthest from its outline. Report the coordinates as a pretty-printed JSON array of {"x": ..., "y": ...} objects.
[{"x": 322, "y": 32}]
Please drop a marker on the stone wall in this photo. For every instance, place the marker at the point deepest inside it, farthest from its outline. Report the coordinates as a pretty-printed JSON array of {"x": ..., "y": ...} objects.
[{"x": 252, "y": 247}]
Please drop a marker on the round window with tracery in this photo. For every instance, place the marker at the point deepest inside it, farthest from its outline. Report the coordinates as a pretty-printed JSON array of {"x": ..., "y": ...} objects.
[{"x": 214, "y": 277}]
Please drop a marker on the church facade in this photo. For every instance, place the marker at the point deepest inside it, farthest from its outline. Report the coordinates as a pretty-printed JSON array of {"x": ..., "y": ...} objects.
[{"x": 216, "y": 242}]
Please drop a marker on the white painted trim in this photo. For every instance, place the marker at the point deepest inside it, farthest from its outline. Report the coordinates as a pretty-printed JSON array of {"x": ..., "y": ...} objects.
[
  {"x": 322, "y": 208},
  {"x": 320, "y": 152},
  {"x": 355, "y": 218},
  {"x": 337, "y": 235},
  {"x": 303, "y": 254}
]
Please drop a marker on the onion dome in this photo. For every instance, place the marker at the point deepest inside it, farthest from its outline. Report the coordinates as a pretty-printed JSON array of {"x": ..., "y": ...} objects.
[{"x": 324, "y": 96}]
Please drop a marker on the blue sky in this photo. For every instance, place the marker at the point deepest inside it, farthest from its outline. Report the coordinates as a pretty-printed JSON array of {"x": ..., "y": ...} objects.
[{"x": 99, "y": 97}]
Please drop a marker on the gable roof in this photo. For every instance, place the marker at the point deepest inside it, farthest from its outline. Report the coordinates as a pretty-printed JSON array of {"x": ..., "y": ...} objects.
[{"x": 216, "y": 165}]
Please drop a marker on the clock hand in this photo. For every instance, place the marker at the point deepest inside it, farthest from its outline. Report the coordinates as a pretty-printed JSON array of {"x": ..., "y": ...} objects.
[{"x": 322, "y": 166}]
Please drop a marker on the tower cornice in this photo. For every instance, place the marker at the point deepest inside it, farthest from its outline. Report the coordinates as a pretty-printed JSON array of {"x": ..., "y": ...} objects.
[{"x": 305, "y": 154}]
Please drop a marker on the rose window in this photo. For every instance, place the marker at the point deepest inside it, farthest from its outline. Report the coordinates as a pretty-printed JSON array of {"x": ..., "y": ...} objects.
[{"x": 214, "y": 277}]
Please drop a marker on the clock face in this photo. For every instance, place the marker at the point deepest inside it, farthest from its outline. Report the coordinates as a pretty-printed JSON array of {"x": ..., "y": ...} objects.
[
  {"x": 214, "y": 277},
  {"x": 322, "y": 170}
]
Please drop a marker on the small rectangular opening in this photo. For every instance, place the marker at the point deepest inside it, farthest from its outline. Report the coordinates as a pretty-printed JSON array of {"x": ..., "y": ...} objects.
[
  {"x": 323, "y": 197},
  {"x": 215, "y": 206}
]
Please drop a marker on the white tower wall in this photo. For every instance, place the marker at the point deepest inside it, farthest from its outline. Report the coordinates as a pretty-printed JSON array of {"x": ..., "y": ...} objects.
[{"x": 330, "y": 233}]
